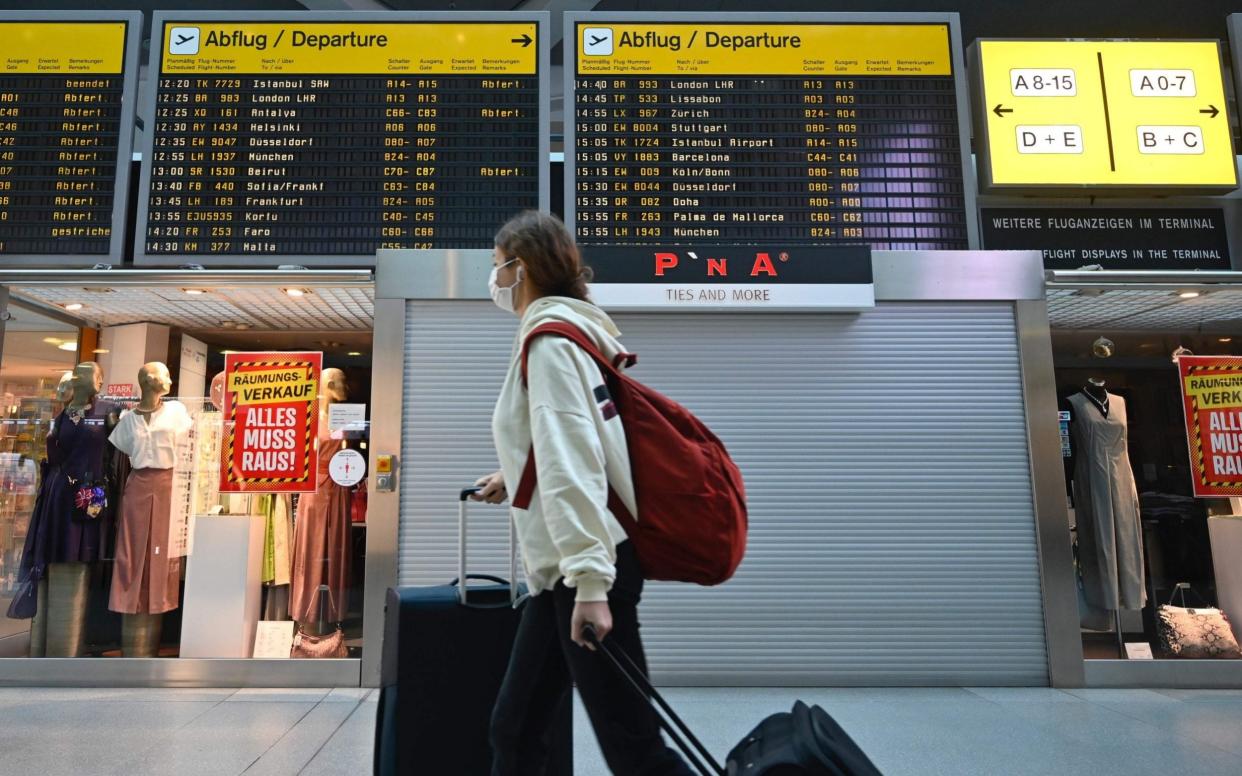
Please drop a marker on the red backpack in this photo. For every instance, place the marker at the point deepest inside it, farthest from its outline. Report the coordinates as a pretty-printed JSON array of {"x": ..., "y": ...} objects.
[{"x": 691, "y": 500}]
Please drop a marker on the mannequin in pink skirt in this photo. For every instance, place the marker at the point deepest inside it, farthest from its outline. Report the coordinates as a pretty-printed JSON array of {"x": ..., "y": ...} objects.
[
  {"x": 321, "y": 539},
  {"x": 145, "y": 579}
]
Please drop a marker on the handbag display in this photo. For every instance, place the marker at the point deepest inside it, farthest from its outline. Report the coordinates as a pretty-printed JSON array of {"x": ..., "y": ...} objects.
[
  {"x": 1195, "y": 633},
  {"x": 90, "y": 498},
  {"x": 325, "y": 645},
  {"x": 330, "y": 645}
]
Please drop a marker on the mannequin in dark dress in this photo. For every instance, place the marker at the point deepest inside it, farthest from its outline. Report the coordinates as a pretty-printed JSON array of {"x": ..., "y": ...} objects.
[
  {"x": 60, "y": 543},
  {"x": 32, "y": 577}
]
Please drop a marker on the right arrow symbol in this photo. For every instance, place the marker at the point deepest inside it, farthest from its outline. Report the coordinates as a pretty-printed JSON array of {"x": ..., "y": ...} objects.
[
  {"x": 999, "y": 111},
  {"x": 525, "y": 40},
  {"x": 1212, "y": 110}
]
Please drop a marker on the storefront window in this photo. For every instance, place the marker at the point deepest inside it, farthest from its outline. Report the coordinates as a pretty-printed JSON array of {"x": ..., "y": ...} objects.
[
  {"x": 1154, "y": 564},
  {"x": 38, "y": 352},
  {"x": 122, "y": 529}
]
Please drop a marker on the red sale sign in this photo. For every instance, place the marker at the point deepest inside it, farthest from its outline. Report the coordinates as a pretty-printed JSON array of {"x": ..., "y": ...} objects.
[
  {"x": 1212, "y": 398},
  {"x": 271, "y": 422}
]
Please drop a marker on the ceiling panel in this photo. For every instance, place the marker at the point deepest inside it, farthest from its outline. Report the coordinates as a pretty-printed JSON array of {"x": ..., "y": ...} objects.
[
  {"x": 323, "y": 308},
  {"x": 1145, "y": 310}
]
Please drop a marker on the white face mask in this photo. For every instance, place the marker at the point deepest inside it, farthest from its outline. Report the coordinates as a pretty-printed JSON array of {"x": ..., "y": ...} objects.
[{"x": 503, "y": 297}]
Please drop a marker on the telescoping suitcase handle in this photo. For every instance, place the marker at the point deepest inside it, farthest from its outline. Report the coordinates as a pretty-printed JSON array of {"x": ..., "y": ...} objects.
[
  {"x": 462, "y": 577},
  {"x": 624, "y": 665}
]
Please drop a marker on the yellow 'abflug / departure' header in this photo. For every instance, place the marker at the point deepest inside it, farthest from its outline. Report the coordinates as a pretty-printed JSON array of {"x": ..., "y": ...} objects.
[
  {"x": 606, "y": 48},
  {"x": 332, "y": 48}
]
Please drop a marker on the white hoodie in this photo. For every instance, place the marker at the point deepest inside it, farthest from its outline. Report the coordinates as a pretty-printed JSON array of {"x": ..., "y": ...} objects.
[{"x": 580, "y": 450}]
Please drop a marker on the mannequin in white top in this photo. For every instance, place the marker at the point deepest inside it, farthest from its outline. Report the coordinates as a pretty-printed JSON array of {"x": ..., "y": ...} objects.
[{"x": 145, "y": 579}]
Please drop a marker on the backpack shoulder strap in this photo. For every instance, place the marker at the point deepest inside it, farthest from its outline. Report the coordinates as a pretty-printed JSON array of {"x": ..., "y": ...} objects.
[
  {"x": 579, "y": 337},
  {"x": 526, "y": 486}
]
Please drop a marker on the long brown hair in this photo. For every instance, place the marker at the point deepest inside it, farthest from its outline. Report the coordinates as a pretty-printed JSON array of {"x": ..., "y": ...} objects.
[{"x": 548, "y": 253}]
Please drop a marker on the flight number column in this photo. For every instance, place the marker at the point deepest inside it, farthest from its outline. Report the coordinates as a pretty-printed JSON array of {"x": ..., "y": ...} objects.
[
  {"x": 195, "y": 162},
  {"x": 596, "y": 154}
]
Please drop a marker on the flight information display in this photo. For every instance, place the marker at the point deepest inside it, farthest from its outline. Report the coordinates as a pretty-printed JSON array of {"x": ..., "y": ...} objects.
[
  {"x": 811, "y": 133},
  {"x": 65, "y": 130},
  {"x": 330, "y": 139}
]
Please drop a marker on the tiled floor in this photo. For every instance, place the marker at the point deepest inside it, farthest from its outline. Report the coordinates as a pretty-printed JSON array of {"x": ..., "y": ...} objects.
[{"x": 924, "y": 732}]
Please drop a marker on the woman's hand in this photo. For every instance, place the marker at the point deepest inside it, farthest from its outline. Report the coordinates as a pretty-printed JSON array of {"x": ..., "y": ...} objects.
[
  {"x": 493, "y": 489},
  {"x": 596, "y": 613}
]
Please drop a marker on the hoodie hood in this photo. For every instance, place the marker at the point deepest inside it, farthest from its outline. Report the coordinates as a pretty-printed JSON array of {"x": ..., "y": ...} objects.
[{"x": 586, "y": 316}]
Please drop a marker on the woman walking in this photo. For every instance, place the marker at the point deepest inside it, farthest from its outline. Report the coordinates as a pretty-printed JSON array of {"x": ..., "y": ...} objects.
[{"x": 580, "y": 567}]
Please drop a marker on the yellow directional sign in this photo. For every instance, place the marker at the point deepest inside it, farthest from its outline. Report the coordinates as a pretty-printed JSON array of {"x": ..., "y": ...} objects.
[{"x": 1108, "y": 115}]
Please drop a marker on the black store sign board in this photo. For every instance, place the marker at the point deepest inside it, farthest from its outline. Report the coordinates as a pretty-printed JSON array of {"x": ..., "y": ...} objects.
[
  {"x": 714, "y": 263},
  {"x": 711, "y": 276},
  {"x": 1114, "y": 238}
]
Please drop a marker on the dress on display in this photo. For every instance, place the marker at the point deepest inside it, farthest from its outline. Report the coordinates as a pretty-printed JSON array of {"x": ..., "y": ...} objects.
[
  {"x": 278, "y": 528},
  {"x": 76, "y": 447},
  {"x": 321, "y": 545},
  {"x": 1110, "y": 539},
  {"x": 277, "y": 512},
  {"x": 145, "y": 579}
]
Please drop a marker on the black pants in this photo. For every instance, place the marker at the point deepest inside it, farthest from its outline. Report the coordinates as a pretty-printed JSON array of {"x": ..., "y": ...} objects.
[{"x": 545, "y": 662}]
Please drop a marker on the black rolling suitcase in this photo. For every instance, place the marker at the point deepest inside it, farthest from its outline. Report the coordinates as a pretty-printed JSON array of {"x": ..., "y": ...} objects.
[
  {"x": 445, "y": 653},
  {"x": 803, "y": 742}
]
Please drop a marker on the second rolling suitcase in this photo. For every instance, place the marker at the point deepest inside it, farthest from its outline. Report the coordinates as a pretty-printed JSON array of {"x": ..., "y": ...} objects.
[
  {"x": 445, "y": 652},
  {"x": 803, "y": 742}
]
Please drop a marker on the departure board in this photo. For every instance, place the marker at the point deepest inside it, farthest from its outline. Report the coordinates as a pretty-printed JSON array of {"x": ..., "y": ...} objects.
[
  {"x": 826, "y": 130},
  {"x": 328, "y": 137},
  {"x": 66, "y": 125}
]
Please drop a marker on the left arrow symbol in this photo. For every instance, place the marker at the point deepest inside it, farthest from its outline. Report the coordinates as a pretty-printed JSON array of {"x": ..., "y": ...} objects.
[
  {"x": 525, "y": 40},
  {"x": 999, "y": 111},
  {"x": 1212, "y": 110}
]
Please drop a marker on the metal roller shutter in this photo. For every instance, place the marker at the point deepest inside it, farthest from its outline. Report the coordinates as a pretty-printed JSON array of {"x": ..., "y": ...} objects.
[{"x": 892, "y": 532}]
